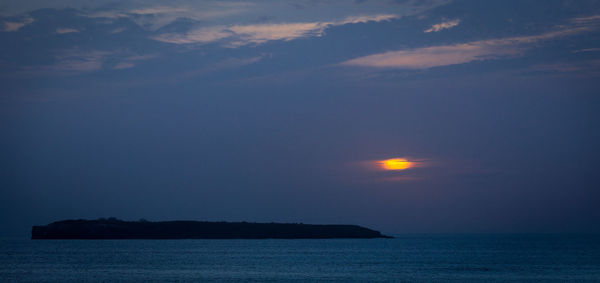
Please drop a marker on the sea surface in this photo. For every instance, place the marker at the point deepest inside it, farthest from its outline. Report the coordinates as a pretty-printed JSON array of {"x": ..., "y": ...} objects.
[{"x": 407, "y": 258}]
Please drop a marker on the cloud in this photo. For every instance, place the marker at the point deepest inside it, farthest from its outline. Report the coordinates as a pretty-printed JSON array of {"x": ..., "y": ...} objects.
[
  {"x": 154, "y": 14},
  {"x": 66, "y": 30},
  {"x": 445, "y": 55},
  {"x": 117, "y": 30},
  {"x": 80, "y": 61},
  {"x": 443, "y": 26},
  {"x": 366, "y": 19},
  {"x": 223, "y": 65},
  {"x": 124, "y": 65},
  {"x": 76, "y": 61},
  {"x": 231, "y": 63},
  {"x": 585, "y": 21},
  {"x": 240, "y": 35},
  {"x": 155, "y": 17},
  {"x": 596, "y": 49},
  {"x": 201, "y": 35},
  {"x": 129, "y": 62},
  {"x": 591, "y": 67},
  {"x": 158, "y": 10},
  {"x": 106, "y": 14},
  {"x": 15, "y": 26},
  {"x": 428, "y": 57},
  {"x": 262, "y": 33}
]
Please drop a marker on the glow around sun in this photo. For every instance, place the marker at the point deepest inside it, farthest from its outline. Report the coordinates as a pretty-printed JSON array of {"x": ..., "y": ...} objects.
[{"x": 395, "y": 164}]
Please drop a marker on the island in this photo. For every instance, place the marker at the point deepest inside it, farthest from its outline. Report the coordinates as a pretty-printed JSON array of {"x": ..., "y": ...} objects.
[{"x": 113, "y": 228}]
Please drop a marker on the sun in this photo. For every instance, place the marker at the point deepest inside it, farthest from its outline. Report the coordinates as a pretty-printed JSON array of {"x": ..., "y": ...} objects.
[{"x": 395, "y": 164}]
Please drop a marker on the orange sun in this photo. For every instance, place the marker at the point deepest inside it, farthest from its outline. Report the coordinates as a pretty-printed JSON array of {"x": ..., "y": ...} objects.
[{"x": 395, "y": 164}]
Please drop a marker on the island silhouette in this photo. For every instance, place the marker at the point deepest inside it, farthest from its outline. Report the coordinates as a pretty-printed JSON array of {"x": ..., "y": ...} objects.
[{"x": 113, "y": 228}]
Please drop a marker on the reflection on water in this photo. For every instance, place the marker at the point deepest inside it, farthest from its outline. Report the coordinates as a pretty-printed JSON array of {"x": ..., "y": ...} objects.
[{"x": 413, "y": 258}]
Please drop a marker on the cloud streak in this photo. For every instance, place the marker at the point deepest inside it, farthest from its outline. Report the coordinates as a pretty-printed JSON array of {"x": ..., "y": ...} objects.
[
  {"x": 445, "y": 55},
  {"x": 443, "y": 26},
  {"x": 77, "y": 61},
  {"x": 200, "y": 36},
  {"x": 15, "y": 26},
  {"x": 590, "y": 67},
  {"x": 155, "y": 17},
  {"x": 240, "y": 35},
  {"x": 66, "y": 30},
  {"x": 130, "y": 62}
]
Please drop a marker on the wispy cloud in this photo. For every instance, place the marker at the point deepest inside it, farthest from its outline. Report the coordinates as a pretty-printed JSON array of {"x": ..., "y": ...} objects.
[
  {"x": 231, "y": 63},
  {"x": 154, "y": 14},
  {"x": 591, "y": 67},
  {"x": 436, "y": 56},
  {"x": 200, "y": 35},
  {"x": 586, "y": 20},
  {"x": 155, "y": 17},
  {"x": 239, "y": 35},
  {"x": 106, "y": 14},
  {"x": 366, "y": 19},
  {"x": 219, "y": 66},
  {"x": 15, "y": 26},
  {"x": 158, "y": 10},
  {"x": 428, "y": 57},
  {"x": 257, "y": 34},
  {"x": 262, "y": 33},
  {"x": 595, "y": 49},
  {"x": 131, "y": 61},
  {"x": 66, "y": 30},
  {"x": 124, "y": 65},
  {"x": 117, "y": 30},
  {"x": 77, "y": 61},
  {"x": 80, "y": 61},
  {"x": 443, "y": 26}
]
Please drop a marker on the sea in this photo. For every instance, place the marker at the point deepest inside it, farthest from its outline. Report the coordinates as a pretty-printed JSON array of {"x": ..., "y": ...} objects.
[{"x": 406, "y": 258}]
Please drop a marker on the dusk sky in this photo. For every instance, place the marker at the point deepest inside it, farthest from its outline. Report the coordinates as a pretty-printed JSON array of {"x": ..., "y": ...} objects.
[{"x": 401, "y": 116}]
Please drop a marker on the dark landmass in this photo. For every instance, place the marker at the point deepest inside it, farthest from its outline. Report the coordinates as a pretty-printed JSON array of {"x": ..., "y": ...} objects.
[{"x": 117, "y": 229}]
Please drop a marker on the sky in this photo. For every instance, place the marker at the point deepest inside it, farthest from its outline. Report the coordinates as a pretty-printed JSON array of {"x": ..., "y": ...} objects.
[{"x": 436, "y": 116}]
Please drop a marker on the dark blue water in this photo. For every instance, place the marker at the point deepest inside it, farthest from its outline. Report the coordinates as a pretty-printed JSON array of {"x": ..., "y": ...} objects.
[{"x": 412, "y": 258}]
